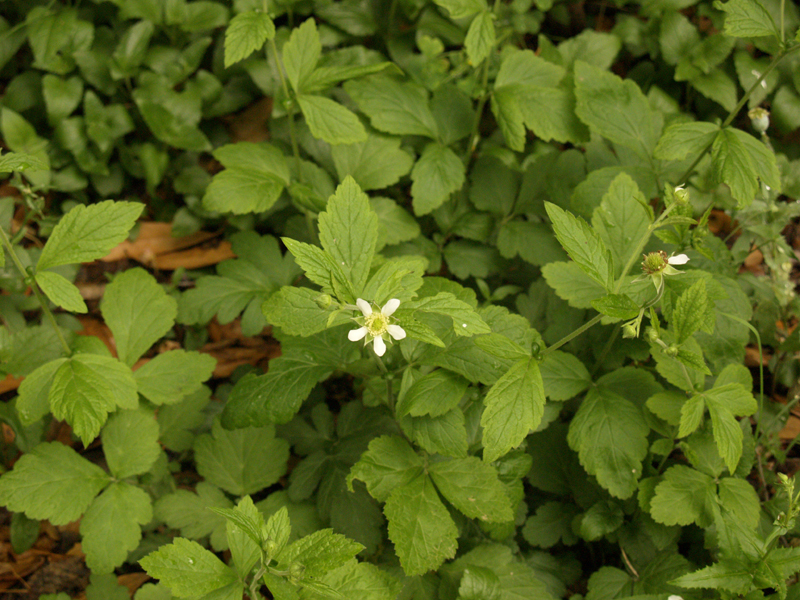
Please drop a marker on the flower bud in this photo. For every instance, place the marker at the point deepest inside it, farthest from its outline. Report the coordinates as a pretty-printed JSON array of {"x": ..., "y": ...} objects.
[
  {"x": 270, "y": 547},
  {"x": 759, "y": 119},
  {"x": 671, "y": 350},
  {"x": 629, "y": 330},
  {"x": 296, "y": 571},
  {"x": 323, "y": 301}
]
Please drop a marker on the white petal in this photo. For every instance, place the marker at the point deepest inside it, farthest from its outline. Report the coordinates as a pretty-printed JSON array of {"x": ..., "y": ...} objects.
[
  {"x": 380, "y": 346},
  {"x": 681, "y": 259},
  {"x": 390, "y": 306},
  {"x": 396, "y": 331},
  {"x": 357, "y": 334},
  {"x": 364, "y": 307}
]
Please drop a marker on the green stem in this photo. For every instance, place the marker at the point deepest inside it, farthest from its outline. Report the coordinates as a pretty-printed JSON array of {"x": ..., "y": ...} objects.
[
  {"x": 474, "y": 136},
  {"x": 574, "y": 334},
  {"x": 39, "y": 296},
  {"x": 290, "y": 110},
  {"x": 388, "y": 377}
]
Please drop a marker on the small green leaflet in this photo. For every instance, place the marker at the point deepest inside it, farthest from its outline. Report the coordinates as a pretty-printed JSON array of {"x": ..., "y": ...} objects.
[
  {"x": 564, "y": 376},
  {"x": 189, "y": 512},
  {"x": 320, "y": 552},
  {"x": 301, "y": 53},
  {"x": 87, "y": 233},
  {"x": 436, "y": 175},
  {"x": 61, "y": 292},
  {"x": 330, "y": 121},
  {"x": 480, "y": 37},
  {"x": 689, "y": 314},
  {"x": 473, "y": 488},
  {"x": 171, "y": 376},
  {"x": 52, "y": 482},
  {"x": 246, "y": 33},
  {"x": 130, "y": 443},
  {"x": 514, "y": 408},
  {"x": 747, "y": 18}
]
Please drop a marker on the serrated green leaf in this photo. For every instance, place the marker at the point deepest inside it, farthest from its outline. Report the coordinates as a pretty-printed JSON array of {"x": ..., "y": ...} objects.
[
  {"x": 188, "y": 569},
  {"x": 422, "y": 531},
  {"x": 52, "y": 482},
  {"x": 87, "y": 233},
  {"x": 374, "y": 164},
  {"x": 434, "y": 394},
  {"x": 243, "y": 536},
  {"x": 445, "y": 434},
  {"x": 61, "y": 292},
  {"x": 514, "y": 408},
  {"x": 86, "y": 388},
  {"x": 330, "y": 121},
  {"x": 301, "y": 53},
  {"x": 278, "y": 528},
  {"x": 138, "y": 311},
  {"x": 295, "y": 309},
  {"x": 460, "y": 9},
  {"x": 61, "y": 96},
  {"x": 602, "y": 518},
  {"x": 680, "y": 140},
  {"x": 473, "y": 488},
  {"x": 389, "y": 463},
  {"x": 177, "y": 422},
  {"x": 610, "y": 435},
  {"x": 692, "y": 413},
  {"x": 564, "y": 376},
  {"x": 480, "y": 38},
  {"x": 324, "y": 77},
  {"x": 734, "y": 166},
  {"x": 435, "y": 176},
  {"x": 747, "y": 18},
  {"x": 34, "y": 392},
  {"x": 731, "y": 575},
  {"x": 617, "y": 306},
  {"x": 466, "y": 322},
  {"x": 583, "y": 245},
  {"x": 723, "y": 404},
  {"x": 551, "y": 523},
  {"x": 689, "y": 313},
  {"x": 17, "y": 161},
  {"x": 348, "y": 230},
  {"x": 320, "y": 552},
  {"x": 741, "y": 499},
  {"x": 763, "y": 159},
  {"x": 501, "y": 347},
  {"x": 111, "y": 527},
  {"x": 571, "y": 283},
  {"x": 189, "y": 512},
  {"x": 243, "y": 461},
  {"x": 682, "y": 496},
  {"x": 130, "y": 443},
  {"x": 171, "y": 376},
  {"x": 321, "y": 268},
  {"x": 246, "y": 33}
]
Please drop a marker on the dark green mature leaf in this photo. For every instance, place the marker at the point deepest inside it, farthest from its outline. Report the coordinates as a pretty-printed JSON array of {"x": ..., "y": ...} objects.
[
  {"x": 330, "y": 121},
  {"x": 610, "y": 435},
  {"x": 689, "y": 314},
  {"x": 682, "y": 497},
  {"x": 480, "y": 37},
  {"x": 130, "y": 443},
  {"x": 445, "y": 434},
  {"x": 732, "y": 575},
  {"x": 171, "y": 376},
  {"x": 189, "y": 512},
  {"x": 680, "y": 140},
  {"x": 435, "y": 176},
  {"x": 422, "y": 531},
  {"x": 389, "y": 464},
  {"x": 747, "y": 18},
  {"x": 564, "y": 376},
  {"x": 733, "y": 166},
  {"x": 374, "y": 164},
  {"x": 514, "y": 408},
  {"x": 87, "y": 233},
  {"x": 246, "y": 33}
]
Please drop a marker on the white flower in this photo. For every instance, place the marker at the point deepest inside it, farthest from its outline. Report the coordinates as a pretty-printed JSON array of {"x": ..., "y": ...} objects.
[
  {"x": 674, "y": 597},
  {"x": 376, "y": 326}
]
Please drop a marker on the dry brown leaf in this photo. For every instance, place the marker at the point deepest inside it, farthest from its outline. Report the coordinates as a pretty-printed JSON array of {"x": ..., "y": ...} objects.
[{"x": 9, "y": 383}]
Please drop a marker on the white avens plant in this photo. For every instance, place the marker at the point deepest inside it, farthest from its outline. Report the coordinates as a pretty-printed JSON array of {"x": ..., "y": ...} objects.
[{"x": 376, "y": 327}]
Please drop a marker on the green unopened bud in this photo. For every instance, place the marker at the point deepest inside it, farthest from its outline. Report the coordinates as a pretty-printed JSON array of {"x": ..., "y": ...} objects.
[
  {"x": 270, "y": 547},
  {"x": 296, "y": 571},
  {"x": 535, "y": 348},
  {"x": 323, "y": 301},
  {"x": 681, "y": 195},
  {"x": 671, "y": 350},
  {"x": 652, "y": 335},
  {"x": 759, "y": 119},
  {"x": 629, "y": 330}
]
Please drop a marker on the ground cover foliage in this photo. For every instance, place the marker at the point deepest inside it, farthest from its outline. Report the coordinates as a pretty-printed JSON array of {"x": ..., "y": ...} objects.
[{"x": 486, "y": 235}]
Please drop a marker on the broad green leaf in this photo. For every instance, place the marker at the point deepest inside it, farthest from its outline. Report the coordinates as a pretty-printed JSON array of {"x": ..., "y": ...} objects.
[
  {"x": 61, "y": 96},
  {"x": 177, "y": 422},
  {"x": 30, "y": 348},
  {"x": 320, "y": 552},
  {"x": 171, "y": 376},
  {"x": 526, "y": 68},
  {"x": 52, "y": 482},
  {"x": 204, "y": 15},
  {"x": 61, "y": 292},
  {"x": 445, "y": 434},
  {"x": 549, "y": 113},
  {"x": 20, "y": 136},
  {"x": 564, "y": 376},
  {"x": 434, "y": 394},
  {"x": 551, "y": 523},
  {"x": 583, "y": 245},
  {"x": 473, "y": 488},
  {"x": 621, "y": 220},
  {"x": 616, "y": 109},
  {"x": 734, "y": 575},
  {"x": 138, "y": 311},
  {"x": 17, "y": 161},
  {"x": 689, "y": 314},
  {"x": 763, "y": 159},
  {"x": 330, "y": 121},
  {"x": 747, "y": 18},
  {"x": 682, "y": 496},
  {"x": 105, "y": 586},
  {"x": 55, "y": 36},
  {"x": 111, "y": 527},
  {"x": 733, "y": 166},
  {"x": 295, "y": 309},
  {"x": 33, "y": 401},
  {"x": 691, "y": 415},
  {"x": 243, "y": 461},
  {"x": 361, "y": 580},
  {"x": 327, "y": 76},
  {"x": 188, "y": 569},
  {"x": 480, "y": 38},
  {"x": 86, "y": 388},
  {"x": 395, "y": 224},
  {"x": 501, "y": 347},
  {"x": 399, "y": 278},
  {"x": 680, "y": 140},
  {"x": 278, "y": 528},
  {"x": 87, "y": 233},
  {"x": 348, "y": 230},
  {"x": 301, "y": 53},
  {"x": 244, "y": 527},
  {"x": 504, "y": 103},
  {"x": 609, "y": 433},
  {"x": 466, "y": 322},
  {"x": 571, "y": 283},
  {"x": 518, "y": 581},
  {"x": 389, "y": 463},
  {"x": 189, "y": 512},
  {"x": 131, "y": 50},
  {"x": 602, "y": 518},
  {"x": 479, "y": 583},
  {"x": 616, "y": 306},
  {"x": 740, "y": 498},
  {"x": 321, "y": 268},
  {"x": 393, "y": 106},
  {"x": 460, "y": 9},
  {"x": 724, "y": 403},
  {"x": 514, "y": 408},
  {"x": 437, "y": 174},
  {"x": 246, "y": 33},
  {"x": 374, "y": 164},
  {"x": 130, "y": 443},
  {"x": 422, "y": 531},
  {"x": 534, "y": 242}
]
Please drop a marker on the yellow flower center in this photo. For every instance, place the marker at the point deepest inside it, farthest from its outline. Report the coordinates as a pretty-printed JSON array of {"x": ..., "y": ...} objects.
[{"x": 376, "y": 324}]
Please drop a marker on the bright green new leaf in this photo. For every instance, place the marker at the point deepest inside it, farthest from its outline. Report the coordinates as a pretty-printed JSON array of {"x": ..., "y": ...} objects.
[
  {"x": 609, "y": 433},
  {"x": 741, "y": 499},
  {"x": 682, "y": 497},
  {"x": 61, "y": 292},
  {"x": 733, "y": 574},
  {"x": 422, "y": 531},
  {"x": 130, "y": 443},
  {"x": 189, "y": 512},
  {"x": 583, "y": 245},
  {"x": 138, "y": 311},
  {"x": 461, "y": 9},
  {"x": 245, "y": 523},
  {"x": 514, "y": 408},
  {"x": 680, "y": 140},
  {"x": 689, "y": 314},
  {"x": 747, "y": 18},
  {"x": 33, "y": 401},
  {"x": 434, "y": 394},
  {"x": 374, "y": 164},
  {"x": 691, "y": 415},
  {"x": 348, "y": 230},
  {"x": 320, "y": 552},
  {"x": 295, "y": 309},
  {"x": 571, "y": 283},
  {"x": 246, "y": 33},
  {"x": 473, "y": 488},
  {"x": 188, "y": 569},
  {"x": 301, "y": 53},
  {"x": 523, "y": 67},
  {"x": 564, "y": 376},
  {"x": 16, "y": 161},
  {"x": 111, "y": 527},
  {"x": 52, "y": 482},
  {"x": 171, "y": 376},
  {"x": 388, "y": 464},
  {"x": 321, "y": 268},
  {"x": 86, "y": 388},
  {"x": 466, "y": 322},
  {"x": 393, "y": 106},
  {"x": 398, "y": 277},
  {"x": 437, "y": 174},
  {"x": 480, "y": 38},
  {"x": 243, "y": 461},
  {"x": 330, "y": 121},
  {"x": 87, "y": 233},
  {"x": 361, "y": 580}
]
